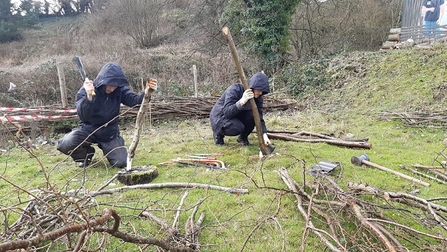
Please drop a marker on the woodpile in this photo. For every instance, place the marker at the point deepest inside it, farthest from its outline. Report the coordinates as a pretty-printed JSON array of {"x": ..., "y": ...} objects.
[
  {"x": 432, "y": 119},
  {"x": 159, "y": 109},
  {"x": 344, "y": 218},
  {"x": 393, "y": 39},
  {"x": 400, "y": 38},
  {"x": 49, "y": 217}
]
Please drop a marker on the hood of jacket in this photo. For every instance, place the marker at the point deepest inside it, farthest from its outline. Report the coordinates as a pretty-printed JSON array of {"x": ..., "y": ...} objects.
[
  {"x": 260, "y": 81},
  {"x": 111, "y": 74}
]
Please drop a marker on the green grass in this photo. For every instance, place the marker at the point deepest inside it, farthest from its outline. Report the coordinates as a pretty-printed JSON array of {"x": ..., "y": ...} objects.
[
  {"x": 229, "y": 217},
  {"x": 241, "y": 221}
]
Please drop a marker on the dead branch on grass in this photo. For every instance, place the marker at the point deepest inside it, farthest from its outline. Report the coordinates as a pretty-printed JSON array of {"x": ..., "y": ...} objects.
[
  {"x": 50, "y": 216},
  {"x": 424, "y": 175},
  {"x": 190, "y": 239},
  {"x": 169, "y": 185},
  {"x": 262, "y": 222},
  {"x": 312, "y": 137},
  {"x": 47, "y": 222},
  {"x": 375, "y": 229}
]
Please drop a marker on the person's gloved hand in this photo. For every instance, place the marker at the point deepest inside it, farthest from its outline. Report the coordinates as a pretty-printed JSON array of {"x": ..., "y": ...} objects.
[
  {"x": 152, "y": 85},
  {"x": 266, "y": 139},
  {"x": 248, "y": 94},
  {"x": 89, "y": 88}
]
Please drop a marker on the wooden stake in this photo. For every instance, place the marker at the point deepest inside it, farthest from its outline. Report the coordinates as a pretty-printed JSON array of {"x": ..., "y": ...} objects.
[{"x": 226, "y": 32}]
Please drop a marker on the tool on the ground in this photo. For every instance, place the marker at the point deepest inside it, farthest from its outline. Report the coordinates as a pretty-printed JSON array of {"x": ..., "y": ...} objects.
[
  {"x": 262, "y": 146},
  {"x": 78, "y": 62},
  {"x": 137, "y": 175},
  {"x": 208, "y": 162},
  {"x": 323, "y": 168},
  {"x": 364, "y": 159}
]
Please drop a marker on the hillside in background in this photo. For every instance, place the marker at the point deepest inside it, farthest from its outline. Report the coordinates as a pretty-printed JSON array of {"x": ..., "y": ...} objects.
[
  {"x": 185, "y": 35},
  {"x": 346, "y": 96},
  {"x": 409, "y": 79}
]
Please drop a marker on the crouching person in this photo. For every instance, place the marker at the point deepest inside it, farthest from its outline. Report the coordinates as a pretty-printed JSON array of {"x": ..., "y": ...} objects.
[
  {"x": 98, "y": 106},
  {"x": 232, "y": 114}
]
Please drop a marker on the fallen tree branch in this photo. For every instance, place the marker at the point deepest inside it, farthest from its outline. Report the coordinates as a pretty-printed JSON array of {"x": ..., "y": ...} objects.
[
  {"x": 53, "y": 235},
  {"x": 423, "y": 174},
  {"x": 287, "y": 179},
  {"x": 272, "y": 217},
  {"x": 433, "y": 119},
  {"x": 190, "y": 238},
  {"x": 169, "y": 185},
  {"x": 357, "y": 211},
  {"x": 432, "y": 169},
  {"x": 319, "y": 138},
  {"x": 360, "y": 223}
]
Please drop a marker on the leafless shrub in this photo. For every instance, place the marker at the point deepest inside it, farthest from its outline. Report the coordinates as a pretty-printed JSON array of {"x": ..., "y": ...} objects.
[{"x": 336, "y": 25}]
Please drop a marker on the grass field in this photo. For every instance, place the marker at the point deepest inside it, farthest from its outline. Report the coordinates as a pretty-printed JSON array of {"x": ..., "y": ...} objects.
[{"x": 265, "y": 219}]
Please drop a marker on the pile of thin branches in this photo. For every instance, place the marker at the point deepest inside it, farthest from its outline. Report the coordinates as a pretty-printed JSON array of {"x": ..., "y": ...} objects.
[
  {"x": 418, "y": 119},
  {"x": 198, "y": 107},
  {"x": 53, "y": 220},
  {"x": 366, "y": 218},
  {"x": 164, "y": 108}
]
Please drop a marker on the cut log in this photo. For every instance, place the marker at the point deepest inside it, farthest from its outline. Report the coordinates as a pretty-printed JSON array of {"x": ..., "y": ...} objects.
[
  {"x": 395, "y": 30},
  {"x": 394, "y": 37},
  {"x": 389, "y": 44}
]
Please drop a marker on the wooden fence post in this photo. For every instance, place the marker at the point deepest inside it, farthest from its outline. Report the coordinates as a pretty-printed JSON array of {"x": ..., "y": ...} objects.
[
  {"x": 194, "y": 72},
  {"x": 63, "y": 88}
]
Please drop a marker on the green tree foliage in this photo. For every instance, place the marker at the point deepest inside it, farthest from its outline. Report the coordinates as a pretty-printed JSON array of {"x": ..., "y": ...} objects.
[
  {"x": 5, "y": 9},
  {"x": 12, "y": 21},
  {"x": 264, "y": 28},
  {"x": 8, "y": 28}
]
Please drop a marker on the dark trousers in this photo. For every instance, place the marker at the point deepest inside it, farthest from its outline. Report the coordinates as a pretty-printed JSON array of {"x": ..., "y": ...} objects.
[
  {"x": 78, "y": 143},
  {"x": 241, "y": 125}
]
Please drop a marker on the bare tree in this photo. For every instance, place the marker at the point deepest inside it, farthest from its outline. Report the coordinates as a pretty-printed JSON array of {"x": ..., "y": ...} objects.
[
  {"x": 141, "y": 20},
  {"x": 322, "y": 27}
]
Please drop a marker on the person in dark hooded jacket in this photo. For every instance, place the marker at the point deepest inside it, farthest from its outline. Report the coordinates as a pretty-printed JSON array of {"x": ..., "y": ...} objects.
[
  {"x": 98, "y": 106},
  {"x": 232, "y": 114}
]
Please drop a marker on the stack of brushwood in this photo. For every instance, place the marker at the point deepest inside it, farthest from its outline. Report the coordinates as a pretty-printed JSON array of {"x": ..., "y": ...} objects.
[
  {"x": 160, "y": 109},
  {"x": 343, "y": 218},
  {"x": 199, "y": 107},
  {"x": 433, "y": 119}
]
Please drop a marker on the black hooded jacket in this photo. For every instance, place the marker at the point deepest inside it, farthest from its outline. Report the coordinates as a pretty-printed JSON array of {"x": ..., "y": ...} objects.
[
  {"x": 105, "y": 108},
  {"x": 227, "y": 106}
]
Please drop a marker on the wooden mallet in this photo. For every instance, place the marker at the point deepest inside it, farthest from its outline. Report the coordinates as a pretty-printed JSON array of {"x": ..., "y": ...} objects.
[{"x": 364, "y": 160}]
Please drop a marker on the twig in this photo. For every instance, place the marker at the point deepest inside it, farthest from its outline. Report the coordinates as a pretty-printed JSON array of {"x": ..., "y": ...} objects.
[
  {"x": 179, "y": 208},
  {"x": 288, "y": 181},
  {"x": 73, "y": 228},
  {"x": 272, "y": 217},
  {"x": 424, "y": 175}
]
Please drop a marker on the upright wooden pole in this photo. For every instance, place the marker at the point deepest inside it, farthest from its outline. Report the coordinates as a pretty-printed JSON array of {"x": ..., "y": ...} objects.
[
  {"x": 194, "y": 72},
  {"x": 62, "y": 86},
  {"x": 240, "y": 71}
]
